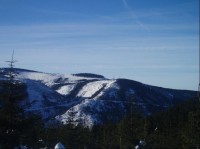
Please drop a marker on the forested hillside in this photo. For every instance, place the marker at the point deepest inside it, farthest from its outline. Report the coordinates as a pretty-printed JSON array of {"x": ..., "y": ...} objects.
[{"x": 179, "y": 127}]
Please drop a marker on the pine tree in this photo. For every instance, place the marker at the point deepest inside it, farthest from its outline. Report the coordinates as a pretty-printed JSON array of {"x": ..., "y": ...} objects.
[
  {"x": 10, "y": 113},
  {"x": 16, "y": 127}
]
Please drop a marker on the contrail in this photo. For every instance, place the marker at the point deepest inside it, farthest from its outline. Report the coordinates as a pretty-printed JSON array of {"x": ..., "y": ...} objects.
[
  {"x": 133, "y": 15},
  {"x": 126, "y": 4}
]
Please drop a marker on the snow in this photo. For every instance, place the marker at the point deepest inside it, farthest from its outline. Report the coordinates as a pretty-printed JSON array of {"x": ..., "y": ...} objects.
[
  {"x": 88, "y": 120},
  {"x": 59, "y": 146},
  {"x": 137, "y": 147},
  {"x": 91, "y": 96},
  {"x": 142, "y": 142},
  {"x": 64, "y": 90},
  {"x": 73, "y": 78},
  {"x": 50, "y": 79},
  {"x": 37, "y": 90},
  {"x": 87, "y": 92},
  {"x": 47, "y": 79},
  {"x": 87, "y": 111},
  {"x": 91, "y": 88},
  {"x": 41, "y": 99},
  {"x": 39, "y": 85}
]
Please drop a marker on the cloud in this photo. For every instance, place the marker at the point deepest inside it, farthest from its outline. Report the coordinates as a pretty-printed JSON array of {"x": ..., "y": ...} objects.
[{"x": 91, "y": 39}]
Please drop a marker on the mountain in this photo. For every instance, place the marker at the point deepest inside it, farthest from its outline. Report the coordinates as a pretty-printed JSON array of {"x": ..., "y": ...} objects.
[{"x": 91, "y": 98}]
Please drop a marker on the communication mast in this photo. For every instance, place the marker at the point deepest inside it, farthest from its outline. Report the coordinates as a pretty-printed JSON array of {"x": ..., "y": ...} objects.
[
  {"x": 11, "y": 63},
  {"x": 199, "y": 67},
  {"x": 199, "y": 92},
  {"x": 199, "y": 76}
]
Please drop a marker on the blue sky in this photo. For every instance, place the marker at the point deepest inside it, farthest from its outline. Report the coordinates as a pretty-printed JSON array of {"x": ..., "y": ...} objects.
[{"x": 151, "y": 41}]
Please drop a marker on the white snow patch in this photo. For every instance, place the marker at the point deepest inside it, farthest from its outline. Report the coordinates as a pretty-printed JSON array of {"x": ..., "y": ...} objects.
[
  {"x": 88, "y": 120},
  {"x": 59, "y": 146},
  {"x": 91, "y": 88},
  {"x": 64, "y": 90},
  {"x": 37, "y": 93},
  {"x": 47, "y": 79},
  {"x": 50, "y": 79},
  {"x": 74, "y": 79}
]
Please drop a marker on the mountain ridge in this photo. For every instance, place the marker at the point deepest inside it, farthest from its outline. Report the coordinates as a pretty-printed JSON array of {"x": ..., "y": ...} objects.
[{"x": 91, "y": 97}]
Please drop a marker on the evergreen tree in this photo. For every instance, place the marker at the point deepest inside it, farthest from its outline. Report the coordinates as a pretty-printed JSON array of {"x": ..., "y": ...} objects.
[{"x": 16, "y": 127}]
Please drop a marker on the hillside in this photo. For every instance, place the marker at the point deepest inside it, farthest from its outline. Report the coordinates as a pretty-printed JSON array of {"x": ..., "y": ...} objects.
[{"x": 93, "y": 99}]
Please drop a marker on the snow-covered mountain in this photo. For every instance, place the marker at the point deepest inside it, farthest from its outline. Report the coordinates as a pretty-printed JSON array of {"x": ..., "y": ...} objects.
[{"x": 91, "y": 98}]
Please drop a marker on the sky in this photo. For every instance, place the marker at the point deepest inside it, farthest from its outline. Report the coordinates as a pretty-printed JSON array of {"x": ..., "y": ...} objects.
[{"x": 155, "y": 42}]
